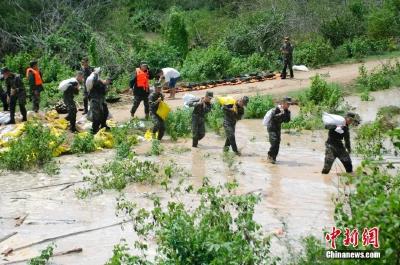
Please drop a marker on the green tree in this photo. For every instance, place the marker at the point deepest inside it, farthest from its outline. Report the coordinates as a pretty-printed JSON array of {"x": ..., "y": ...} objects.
[
  {"x": 175, "y": 32},
  {"x": 93, "y": 54}
]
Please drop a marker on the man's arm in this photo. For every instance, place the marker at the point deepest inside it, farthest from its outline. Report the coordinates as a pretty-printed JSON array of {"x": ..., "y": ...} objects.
[
  {"x": 132, "y": 82},
  {"x": 347, "y": 139},
  {"x": 31, "y": 80}
]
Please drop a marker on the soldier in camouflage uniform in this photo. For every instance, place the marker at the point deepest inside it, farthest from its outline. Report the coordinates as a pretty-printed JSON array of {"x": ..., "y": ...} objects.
[
  {"x": 287, "y": 53},
  {"x": 233, "y": 113},
  {"x": 155, "y": 98},
  {"x": 3, "y": 96},
  {"x": 87, "y": 70},
  {"x": 98, "y": 105},
  {"x": 279, "y": 115},
  {"x": 16, "y": 93},
  {"x": 68, "y": 96},
  {"x": 201, "y": 108},
  {"x": 334, "y": 144}
]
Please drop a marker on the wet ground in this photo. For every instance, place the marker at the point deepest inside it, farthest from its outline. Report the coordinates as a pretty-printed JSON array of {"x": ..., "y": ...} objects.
[{"x": 296, "y": 198}]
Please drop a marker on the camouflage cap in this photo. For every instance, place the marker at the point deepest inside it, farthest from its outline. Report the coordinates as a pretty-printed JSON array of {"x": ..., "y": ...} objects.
[
  {"x": 354, "y": 116},
  {"x": 245, "y": 100},
  {"x": 209, "y": 94}
]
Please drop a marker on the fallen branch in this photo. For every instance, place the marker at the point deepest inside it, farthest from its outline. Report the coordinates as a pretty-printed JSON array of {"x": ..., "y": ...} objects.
[
  {"x": 63, "y": 236},
  {"x": 20, "y": 220},
  {"x": 46, "y": 186},
  {"x": 7, "y": 236},
  {"x": 75, "y": 250}
]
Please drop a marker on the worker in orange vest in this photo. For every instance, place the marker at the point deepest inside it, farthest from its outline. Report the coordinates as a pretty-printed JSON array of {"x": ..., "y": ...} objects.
[
  {"x": 35, "y": 80},
  {"x": 140, "y": 83}
]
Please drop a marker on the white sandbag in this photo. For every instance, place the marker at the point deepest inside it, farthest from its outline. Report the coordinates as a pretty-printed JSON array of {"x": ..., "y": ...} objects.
[
  {"x": 189, "y": 99},
  {"x": 333, "y": 119},
  {"x": 89, "y": 80},
  {"x": 302, "y": 68},
  {"x": 4, "y": 117},
  {"x": 66, "y": 83},
  {"x": 267, "y": 117}
]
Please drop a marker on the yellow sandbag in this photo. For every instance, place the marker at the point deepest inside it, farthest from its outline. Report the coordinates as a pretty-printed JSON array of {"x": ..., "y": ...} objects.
[
  {"x": 104, "y": 139},
  {"x": 56, "y": 132},
  {"x": 51, "y": 115},
  {"x": 163, "y": 110},
  {"x": 17, "y": 132},
  {"x": 62, "y": 149},
  {"x": 111, "y": 123},
  {"x": 226, "y": 100},
  {"x": 148, "y": 136},
  {"x": 60, "y": 124}
]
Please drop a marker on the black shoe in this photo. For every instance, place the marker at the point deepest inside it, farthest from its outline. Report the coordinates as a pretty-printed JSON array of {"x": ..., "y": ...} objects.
[
  {"x": 238, "y": 153},
  {"x": 24, "y": 119}
]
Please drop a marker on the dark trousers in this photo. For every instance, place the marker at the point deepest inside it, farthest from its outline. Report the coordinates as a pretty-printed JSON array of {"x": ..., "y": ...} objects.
[
  {"x": 100, "y": 113},
  {"x": 71, "y": 117},
  {"x": 198, "y": 129},
  {"x": 36, "y": 100},
  {"x": 159, "y": 126},
  {"x": 287, "y": 64},
  {"x": 331, "y": 153},
  {"x": 13, "y": 103},
  {"x": 230, "y": 137},
  {"x": 136, "y": 102},
  {"x": 3, "y": 97},
  {"x": 275, "y": 141},
  {"x": 85, "y": 101}
]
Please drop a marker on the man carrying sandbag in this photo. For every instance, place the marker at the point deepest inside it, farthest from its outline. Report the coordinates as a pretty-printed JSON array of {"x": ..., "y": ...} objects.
[
  {"x": 98, "y": 106},
  {"x": 87, "y": 70},
  {"x": 15, "y": 93},
  {"x": 201, "y": 108},
  {"x": 273, "y": 120},
  {"x": 155, "y": 99},
  {"x": 334, "y": 144},
  {"x": 70, "y": 88},
  {"x": 233, "y": 113}
]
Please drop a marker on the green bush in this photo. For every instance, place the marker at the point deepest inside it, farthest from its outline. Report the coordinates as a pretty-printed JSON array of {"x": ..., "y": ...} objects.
[
  {"x": 257, "y": 107},
  {"x": 83, "y": 143},
  {"x": 379, "y": 79},
  {"x": 383, "y": 23},
  {"x": 220, "y": 230},
  {"x": 313, "y": 53},
  {"x": 34, "y": 148},
  {"x": 209, "y": 63},
  {"x": 175, "y": 32},
  {"x": 18, "y": 62},
  {"x": 158, "y": 55},
  {"x": 178, "y": 123},
  {"x": 252, "y": 64}
]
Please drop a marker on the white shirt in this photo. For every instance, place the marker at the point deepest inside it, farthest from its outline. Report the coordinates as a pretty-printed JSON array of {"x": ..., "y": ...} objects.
[{"x": 170, "y": 73}]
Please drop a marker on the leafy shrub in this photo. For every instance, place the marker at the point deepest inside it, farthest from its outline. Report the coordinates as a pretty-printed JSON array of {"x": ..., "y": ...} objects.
[
  {"x": 176, "y": 33},
  {"x": 156, "y": 148},
  {"x": 215, "y": 119},
  {"x": 44, "y": 256},
  {"x": 178, "y": 123},
  {"x": 158, "y": 55},
  {"x": 34, "y": 148},
  {"x": 117, "y": 174},
  {"x": 83, "y": 143},
  {"x": 18, "y": 62},
  {"x": 209, "y": 63},
  {"x": 383, "y": 23},
  {"x": 313, "y": 53},
  {"x": 369, "y": 140},
  {"x": 379, "y": 79},
  {"x": 341, "y": 28},
  {"x": 254, "y": 63},
  {"x": 220, "y": 230},
  {"x": 258, "y": 105},
  {"x": 124, "y": 138}
]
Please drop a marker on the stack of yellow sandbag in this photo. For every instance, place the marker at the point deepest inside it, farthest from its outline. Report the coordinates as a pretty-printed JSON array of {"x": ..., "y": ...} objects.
[
  {"x": 111, "y": 123},
  {"x": 60, "y": 124},
  {"x": 226, "y": 100},
  {"x": 51, "y": 115},
  {"x": 104, "y": 139},
  {"x": 16, "y": 132}
]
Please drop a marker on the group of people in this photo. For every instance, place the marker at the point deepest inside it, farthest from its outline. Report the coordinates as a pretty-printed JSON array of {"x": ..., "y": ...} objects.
[{"x": 95, "y": 105}]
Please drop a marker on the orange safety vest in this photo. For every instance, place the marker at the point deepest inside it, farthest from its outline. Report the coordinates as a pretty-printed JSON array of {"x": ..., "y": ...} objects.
[
  {"x": 142, "y": 79},
  {"x": 36, "y": 74}
]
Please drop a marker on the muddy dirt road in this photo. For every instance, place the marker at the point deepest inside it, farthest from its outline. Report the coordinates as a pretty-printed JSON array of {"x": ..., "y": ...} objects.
[{"x": 296, "y": 198}]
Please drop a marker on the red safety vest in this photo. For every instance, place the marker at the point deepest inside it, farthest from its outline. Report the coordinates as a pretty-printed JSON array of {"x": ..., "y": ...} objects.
[
  {"x": 36, "y": 75},
  {"x": 142, "y": 79}
]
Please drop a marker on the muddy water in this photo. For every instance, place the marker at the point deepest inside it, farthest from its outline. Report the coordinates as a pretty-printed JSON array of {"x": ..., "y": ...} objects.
[
  {"x": 296, "y": 198},
  {"x": 368, "y": 109}
]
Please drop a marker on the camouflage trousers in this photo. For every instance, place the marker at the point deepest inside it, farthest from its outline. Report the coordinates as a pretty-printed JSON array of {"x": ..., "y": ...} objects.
[
  {"x": 99, "y": 110},
  {"x": 275, "y": 141},
  {"x": 159, "y": 126},
  {"x": 230, "y": 136},
  {"x": 136, "y": 102},
  {"x": 19, "y": 98},
  {"x": 198, "y": 129},
  {"x": 36, "y": 100},
  {"x": 71, "y": 117},
  {"x": 331, "y": 153}
]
